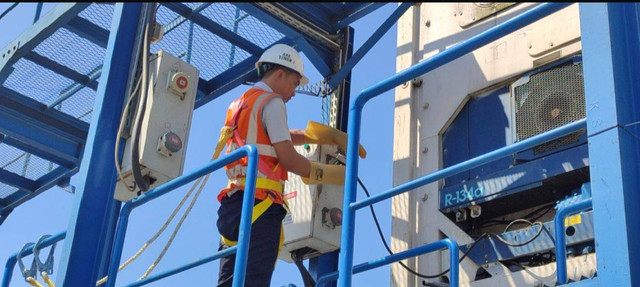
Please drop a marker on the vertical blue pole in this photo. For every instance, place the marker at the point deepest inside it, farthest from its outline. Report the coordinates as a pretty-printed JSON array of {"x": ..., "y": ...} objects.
[
  {"x": 91, "y": 214},
  {"x": 328, "y": 263},
  {"x": 38, "y": 11},
  {"x": 345, "y": 265},
  {"x": 611, "y": 49}
]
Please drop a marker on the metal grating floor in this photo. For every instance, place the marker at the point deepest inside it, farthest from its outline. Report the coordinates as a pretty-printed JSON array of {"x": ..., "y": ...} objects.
[{"x": 50, "y": 74}]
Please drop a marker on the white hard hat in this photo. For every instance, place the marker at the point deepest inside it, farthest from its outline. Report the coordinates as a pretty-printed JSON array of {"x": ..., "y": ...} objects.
[{"x": 286, "y": 56}]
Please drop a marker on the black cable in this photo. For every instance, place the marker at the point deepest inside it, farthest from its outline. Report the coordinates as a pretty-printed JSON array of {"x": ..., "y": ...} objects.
[
  {"x": 307, "y": 279},
  {"x": 528, "y": 240},
  {"x": 386, "y": 245},
  {"x": 137, "y": 124},
  {"x": 466, "y": 253}
]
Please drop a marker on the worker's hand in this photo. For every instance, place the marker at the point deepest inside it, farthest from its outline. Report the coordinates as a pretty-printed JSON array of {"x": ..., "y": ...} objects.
[
  {"x": 325, "y": 174},
  {"x": 321, "y": 134}
]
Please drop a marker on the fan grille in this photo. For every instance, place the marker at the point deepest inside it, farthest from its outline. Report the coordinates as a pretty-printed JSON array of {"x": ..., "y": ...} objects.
[{"x": 550, "y": 99}]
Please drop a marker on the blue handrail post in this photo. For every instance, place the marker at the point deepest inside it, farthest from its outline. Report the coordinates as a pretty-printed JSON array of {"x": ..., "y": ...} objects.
[
  {"x": 561, "y": 249},
  {"x": 349, "y": 217}
]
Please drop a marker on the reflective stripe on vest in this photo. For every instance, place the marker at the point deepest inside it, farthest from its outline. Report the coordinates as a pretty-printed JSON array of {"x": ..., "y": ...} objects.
[{"x": 245, "y": 118}]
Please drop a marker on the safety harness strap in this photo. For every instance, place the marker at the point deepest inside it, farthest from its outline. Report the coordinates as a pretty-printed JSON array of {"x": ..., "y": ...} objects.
[{"x": 258, "y": 210}]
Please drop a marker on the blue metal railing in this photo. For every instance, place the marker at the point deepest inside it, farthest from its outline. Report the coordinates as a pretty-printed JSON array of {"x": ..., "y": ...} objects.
[
  {"x": 561, "y": 249},
  {"x": 355, "y": 117},
  {"x": 454, "y": 261},
  {"x": 241, "y": 250},
  {"x": 13, "y": 259}
]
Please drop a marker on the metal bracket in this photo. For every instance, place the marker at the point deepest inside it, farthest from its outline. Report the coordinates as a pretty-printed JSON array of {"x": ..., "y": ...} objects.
[
  {"x": 47, "y": 266},
  {"x": 33, "y": 272}
]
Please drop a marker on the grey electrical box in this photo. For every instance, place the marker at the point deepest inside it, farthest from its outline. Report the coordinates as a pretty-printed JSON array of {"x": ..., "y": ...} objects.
[{"x": 165, "y": 126}]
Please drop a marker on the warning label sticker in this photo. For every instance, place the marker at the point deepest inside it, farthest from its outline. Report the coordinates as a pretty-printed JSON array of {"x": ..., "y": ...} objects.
[{"x": 291, "y": 195}]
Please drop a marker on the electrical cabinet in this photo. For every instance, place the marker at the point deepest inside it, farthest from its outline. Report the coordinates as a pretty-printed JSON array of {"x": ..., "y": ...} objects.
[
  {"x": 165, "y": 126},
  {"x": 313, "y": 224}
]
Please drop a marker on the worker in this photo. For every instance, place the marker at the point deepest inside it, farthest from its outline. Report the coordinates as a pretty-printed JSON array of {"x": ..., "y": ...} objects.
[{"x": 259, "y": 117}]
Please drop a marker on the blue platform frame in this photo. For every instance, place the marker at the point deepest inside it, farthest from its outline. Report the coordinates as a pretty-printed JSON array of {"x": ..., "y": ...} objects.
[
  {"x": 610, "y": 50},
  {"x": 40, "y": 129}
]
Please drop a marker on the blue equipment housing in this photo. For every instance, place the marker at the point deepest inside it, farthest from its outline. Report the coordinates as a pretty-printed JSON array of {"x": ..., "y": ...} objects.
[{"x": 542, "y": 99}]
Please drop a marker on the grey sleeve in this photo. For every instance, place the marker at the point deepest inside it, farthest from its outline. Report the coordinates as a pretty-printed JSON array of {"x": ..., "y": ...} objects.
[{"x": 274, "y": 120}]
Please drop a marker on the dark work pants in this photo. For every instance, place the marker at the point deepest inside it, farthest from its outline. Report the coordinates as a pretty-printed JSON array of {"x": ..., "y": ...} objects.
[{"x": 263, "y": 247}]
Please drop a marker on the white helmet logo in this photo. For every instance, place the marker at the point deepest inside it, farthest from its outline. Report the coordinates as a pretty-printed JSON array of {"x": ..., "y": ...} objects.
[{"x": 286, "y": 56}]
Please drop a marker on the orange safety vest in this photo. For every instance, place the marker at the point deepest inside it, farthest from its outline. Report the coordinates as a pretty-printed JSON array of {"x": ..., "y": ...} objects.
[{"x": 244, "y": 117}]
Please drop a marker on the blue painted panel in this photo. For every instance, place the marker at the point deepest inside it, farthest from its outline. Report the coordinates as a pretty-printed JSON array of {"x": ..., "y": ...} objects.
[
  {"x": 455, "y": 146},
  {"x": 489, "y": 125},
  {"x": 519, "y": 178}
]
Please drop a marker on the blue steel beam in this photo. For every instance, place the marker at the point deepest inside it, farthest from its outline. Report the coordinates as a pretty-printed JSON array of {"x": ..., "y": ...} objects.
[
  {"x": 312, "y": 12},
  {"x": 46, "y": 153},
  {"x": 337, "y": 78},
  {"x": 214, "y": 27},
  {"x": 61, "y": 69},
  {"x": 356, "y": 106},
  {"x": 86, "y": 29},
  {"x": 319, "y": 60},
  {"x": 361, "y": 12},
  {"x": 226, "y": 81},
  {"x": 17, "y": 181},
  {"x": 58, "y": 175},
  {"x": 44, "y": 183},
  {"x": 45, "y": 27},
  {"x": 91, "y": 216},
  {"x": 610, "y": 49},
  {"x": 50, "y": 134},
  {"x": 308, "y": 49}
]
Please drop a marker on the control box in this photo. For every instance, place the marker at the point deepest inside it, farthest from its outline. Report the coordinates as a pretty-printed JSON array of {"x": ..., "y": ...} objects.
[
  {"x": 165, "y": 126},
  {"x": 313, "y": 225}
]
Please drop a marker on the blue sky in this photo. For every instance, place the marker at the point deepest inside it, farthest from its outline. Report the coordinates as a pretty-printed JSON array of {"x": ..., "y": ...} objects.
[{"x": 49, "y": 213}]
